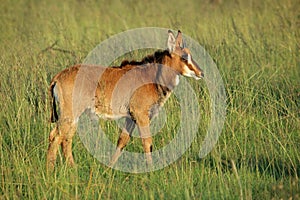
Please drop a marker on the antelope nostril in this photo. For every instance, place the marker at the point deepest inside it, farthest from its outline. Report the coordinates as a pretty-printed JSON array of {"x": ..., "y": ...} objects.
[{"x": 202, "y": 74}]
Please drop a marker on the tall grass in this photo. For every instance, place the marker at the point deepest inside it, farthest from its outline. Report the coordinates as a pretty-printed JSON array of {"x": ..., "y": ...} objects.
[{"x": 255, "y": 45}]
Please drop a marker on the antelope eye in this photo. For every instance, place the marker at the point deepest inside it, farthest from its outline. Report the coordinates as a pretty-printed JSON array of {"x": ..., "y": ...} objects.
[{"x": 184, "y": 57}]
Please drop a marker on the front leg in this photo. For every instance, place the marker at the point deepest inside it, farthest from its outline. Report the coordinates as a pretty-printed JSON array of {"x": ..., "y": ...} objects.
[
  {"x": 123, "y": 140},
  {"x": 145, "y": 135}
]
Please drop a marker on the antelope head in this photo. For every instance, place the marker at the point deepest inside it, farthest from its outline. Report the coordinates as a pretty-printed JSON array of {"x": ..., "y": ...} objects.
[{"x": 182, "y": 59}]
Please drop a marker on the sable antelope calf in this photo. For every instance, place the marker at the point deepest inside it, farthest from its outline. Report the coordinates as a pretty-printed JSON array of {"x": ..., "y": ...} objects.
[{"x": 134, "y": 90}]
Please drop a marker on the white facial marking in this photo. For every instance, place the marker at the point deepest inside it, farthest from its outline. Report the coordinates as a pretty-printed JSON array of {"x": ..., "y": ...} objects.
[
  {"x": 189, "y": 73},
  {"x": 189, "y": 59},
  {"x": 177, "y": 80}
]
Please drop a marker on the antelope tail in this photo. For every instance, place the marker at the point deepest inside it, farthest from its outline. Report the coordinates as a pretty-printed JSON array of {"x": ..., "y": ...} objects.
[{"x": 53, "y": 103}]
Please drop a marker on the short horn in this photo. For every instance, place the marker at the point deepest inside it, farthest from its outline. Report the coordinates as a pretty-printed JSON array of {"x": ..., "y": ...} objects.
[{"x": 179, "y": 39}]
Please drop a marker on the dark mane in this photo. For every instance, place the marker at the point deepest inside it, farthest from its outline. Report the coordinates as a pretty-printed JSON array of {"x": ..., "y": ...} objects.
[{"x": 157, "y": 57}]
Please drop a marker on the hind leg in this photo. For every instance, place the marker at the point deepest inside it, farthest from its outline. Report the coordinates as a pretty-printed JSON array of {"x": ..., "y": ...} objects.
[
  {"x": 54, "y": 142},
  {"x": 62, "y": 135},
  {"x": 69, "y": 129}
]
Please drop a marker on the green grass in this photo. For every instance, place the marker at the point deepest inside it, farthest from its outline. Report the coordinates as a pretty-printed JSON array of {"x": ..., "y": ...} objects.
[{"x": 256, "y": 46}]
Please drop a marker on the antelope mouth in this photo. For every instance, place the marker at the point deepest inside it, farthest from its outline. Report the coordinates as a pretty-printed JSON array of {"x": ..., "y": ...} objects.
[
  {"x": 198, "y": 77},
  {"x": 201, "y": 75}
]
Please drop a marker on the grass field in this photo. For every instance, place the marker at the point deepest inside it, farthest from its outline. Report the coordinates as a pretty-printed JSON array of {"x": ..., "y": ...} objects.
[{"x": 256, "y": 46}]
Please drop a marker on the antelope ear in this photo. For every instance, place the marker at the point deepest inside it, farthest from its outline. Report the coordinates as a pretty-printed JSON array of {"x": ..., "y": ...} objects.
[
  {"x": 171, "y": 41},
  {"x": 179, "y": 41}
]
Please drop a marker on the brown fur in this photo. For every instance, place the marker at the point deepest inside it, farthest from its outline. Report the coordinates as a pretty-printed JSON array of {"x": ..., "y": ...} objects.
[{"x": 135, "y": 90}]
